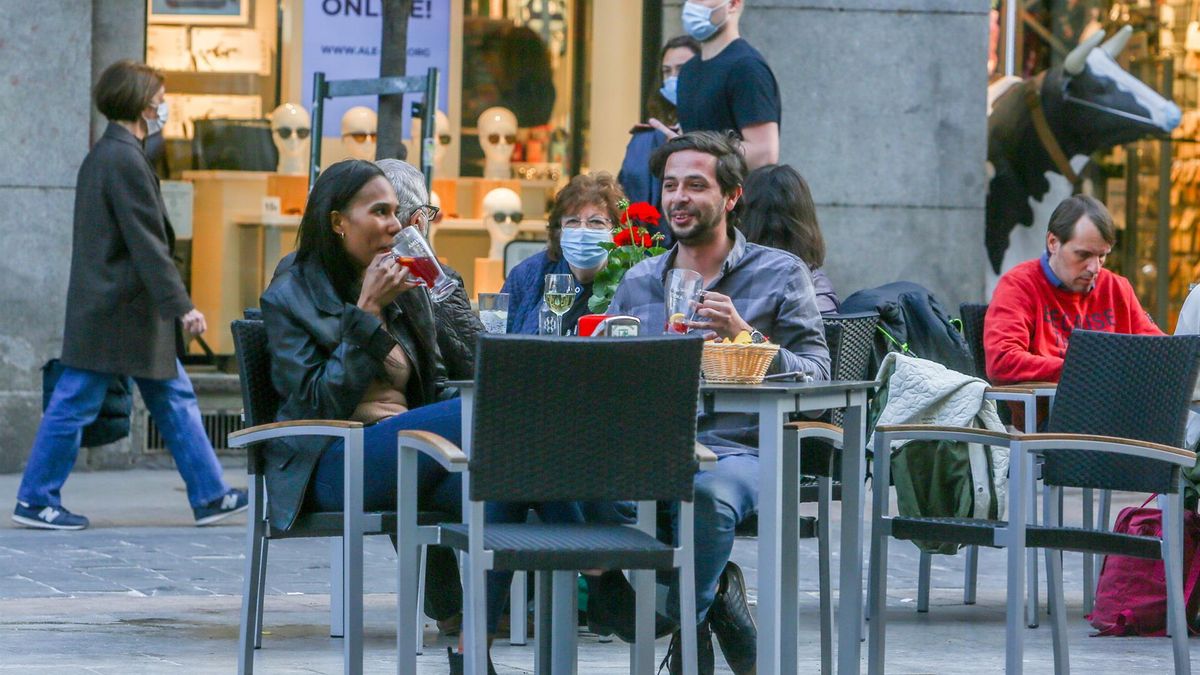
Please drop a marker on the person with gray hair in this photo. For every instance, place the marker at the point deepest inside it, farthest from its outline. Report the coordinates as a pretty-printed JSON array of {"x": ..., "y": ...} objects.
[
  {"x": 457, "y": 325},
  {"x": 457, "y": 331},
  {"x": 409, "y": 184}
]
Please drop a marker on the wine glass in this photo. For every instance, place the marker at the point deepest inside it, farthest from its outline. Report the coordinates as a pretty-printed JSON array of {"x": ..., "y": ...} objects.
[{"x": 560, "y": 296}]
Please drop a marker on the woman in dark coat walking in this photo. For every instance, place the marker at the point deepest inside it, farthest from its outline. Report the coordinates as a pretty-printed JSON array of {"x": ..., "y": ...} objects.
[{"x": 123, "y": 301}]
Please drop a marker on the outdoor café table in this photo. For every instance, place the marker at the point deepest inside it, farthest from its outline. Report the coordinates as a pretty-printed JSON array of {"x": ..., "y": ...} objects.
[
  {"x": 778, "y": 504},
  {"x": 778, "y": 511}
]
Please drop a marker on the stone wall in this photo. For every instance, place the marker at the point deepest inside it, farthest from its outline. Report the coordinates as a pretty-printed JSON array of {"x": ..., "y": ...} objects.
[
  {"x": 49, "y": 57},
  {"x": 884, "y": 115}
]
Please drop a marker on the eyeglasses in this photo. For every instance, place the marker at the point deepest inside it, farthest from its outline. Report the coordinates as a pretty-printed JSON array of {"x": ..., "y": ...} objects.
[
  {"x": 444, "y": 139},
  {"x": 494, "y": 139},
  {"x": 286, "y": 132},
  {"x": 361, "y": 136},
  {"x": 593, "y": 223},
  {"x": 516, "y": 217},
  {"x": 425, "y": 214}
]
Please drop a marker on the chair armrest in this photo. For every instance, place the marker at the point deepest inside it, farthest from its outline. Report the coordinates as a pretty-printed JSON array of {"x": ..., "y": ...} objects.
[
  {"x": 266, "y": 432},
  {"x": 813, "y": 429},
  {"x": 937, "y": 432},
  {"x": 1040, "y": 443},
  {"x": 449, "y": 455},
  {"x": 1024, "y": 388},
  {"x": 707, "y": 458}
]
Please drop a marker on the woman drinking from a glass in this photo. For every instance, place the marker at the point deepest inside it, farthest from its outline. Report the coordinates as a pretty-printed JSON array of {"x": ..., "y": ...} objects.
[{"x": 352, "y": 336}]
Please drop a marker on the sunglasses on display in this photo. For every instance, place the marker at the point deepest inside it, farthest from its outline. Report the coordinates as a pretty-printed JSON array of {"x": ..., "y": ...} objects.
[
  {"x": 501, "y": 217},
  {"x": 361, "y": 137},
  {"x": 286, "y": 132},
  {"x": 593, "y": 223},
  {"x": 494, "y": 139}
]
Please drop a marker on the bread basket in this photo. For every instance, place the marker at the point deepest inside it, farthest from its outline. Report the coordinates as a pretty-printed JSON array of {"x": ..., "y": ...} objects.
[{"x": 731, "y": 363}]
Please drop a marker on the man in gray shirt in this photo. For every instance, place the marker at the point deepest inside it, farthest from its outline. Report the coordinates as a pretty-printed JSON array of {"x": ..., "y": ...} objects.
[{"x": 748, "y": 287}]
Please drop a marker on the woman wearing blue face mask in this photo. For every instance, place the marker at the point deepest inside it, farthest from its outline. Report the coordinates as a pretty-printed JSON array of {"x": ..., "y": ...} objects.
[
  {"x": 635, "y": 176},
  {"x": 125, "y": 302},
  {"x": 582, "y": 218}
]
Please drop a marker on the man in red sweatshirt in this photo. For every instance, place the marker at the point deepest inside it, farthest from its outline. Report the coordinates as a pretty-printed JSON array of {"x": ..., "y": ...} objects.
[{"x": 1039, "y": 302}]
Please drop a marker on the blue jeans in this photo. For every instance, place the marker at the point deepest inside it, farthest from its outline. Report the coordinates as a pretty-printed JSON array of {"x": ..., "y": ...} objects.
[
  {"x": 725, "y": 496},
  {"x": 76, "y": 402},
  {"x": 439, "y": 489}
]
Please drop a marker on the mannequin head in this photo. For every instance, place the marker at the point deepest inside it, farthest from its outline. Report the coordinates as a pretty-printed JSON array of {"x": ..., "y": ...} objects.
[
  {"x": 497, "y": 135},
  {"x": 358, "y": 132},
  {"x": 501, "y": 217},
  {"x": 435, "y": 200},
  {"x": 441, "y": 141},
  {"x": 291, "y": 129}
]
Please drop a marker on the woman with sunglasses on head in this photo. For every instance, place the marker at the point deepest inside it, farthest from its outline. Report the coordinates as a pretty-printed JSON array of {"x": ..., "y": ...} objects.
[{"x": 583, "y": 216}]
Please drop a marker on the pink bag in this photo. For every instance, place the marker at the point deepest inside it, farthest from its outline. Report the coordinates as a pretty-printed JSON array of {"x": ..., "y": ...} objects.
[{"x": 1131, "y": 596}]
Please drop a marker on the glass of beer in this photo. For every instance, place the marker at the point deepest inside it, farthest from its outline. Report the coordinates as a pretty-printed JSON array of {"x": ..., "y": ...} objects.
[
  {"x": 413, "y": 251},
  {"x": 681, "y": 293}
]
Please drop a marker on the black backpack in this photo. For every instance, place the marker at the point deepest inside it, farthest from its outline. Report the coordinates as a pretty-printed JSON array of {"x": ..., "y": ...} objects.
[
  {"x": 113, "y": 423},
  {"x": 913, "y": 322}
]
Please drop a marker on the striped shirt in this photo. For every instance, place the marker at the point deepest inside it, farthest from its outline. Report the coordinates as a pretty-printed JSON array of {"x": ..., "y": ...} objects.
[{"x": 771, "y": 289}]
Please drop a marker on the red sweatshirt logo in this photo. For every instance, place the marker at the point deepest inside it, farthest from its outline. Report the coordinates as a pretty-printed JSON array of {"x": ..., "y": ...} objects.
[{"x": 1061, "y": 324}]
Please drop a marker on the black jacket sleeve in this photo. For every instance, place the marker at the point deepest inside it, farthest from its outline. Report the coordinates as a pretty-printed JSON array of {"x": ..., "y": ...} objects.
[{"x": 458, "y": 330}]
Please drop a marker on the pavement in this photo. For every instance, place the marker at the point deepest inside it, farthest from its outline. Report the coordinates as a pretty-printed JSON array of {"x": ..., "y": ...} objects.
[{"x": 144, "y": 591}]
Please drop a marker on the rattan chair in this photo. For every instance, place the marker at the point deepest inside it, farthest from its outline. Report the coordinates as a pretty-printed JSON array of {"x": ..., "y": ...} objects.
[
  {"x": 565, "y": 420},
  {"x": 261, "y": 401},
  {"x": 1117, "y": 423},
  {"x": 1026, "y": 395}
]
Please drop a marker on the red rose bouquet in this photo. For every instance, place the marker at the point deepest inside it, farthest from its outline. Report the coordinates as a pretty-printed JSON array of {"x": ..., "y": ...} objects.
[{"x": 631, "y": 244}]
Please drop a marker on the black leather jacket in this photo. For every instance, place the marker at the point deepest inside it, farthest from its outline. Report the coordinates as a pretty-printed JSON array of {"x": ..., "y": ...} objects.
[{"x": 324, "y": 354}]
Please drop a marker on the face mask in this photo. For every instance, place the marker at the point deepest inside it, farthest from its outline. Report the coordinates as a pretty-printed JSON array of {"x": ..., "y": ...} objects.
[
  {"x": 670, "y": 89},
  {"x": 153, "y": 126},
  {"x": 581, "y": 247},
  {"x": 697, "y": 20}
]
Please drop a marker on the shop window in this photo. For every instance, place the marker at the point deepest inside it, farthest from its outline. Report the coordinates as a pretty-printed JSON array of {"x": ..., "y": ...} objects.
[
  {"x": 518, "y": 55},
  {"x": 221, "y": 61}
]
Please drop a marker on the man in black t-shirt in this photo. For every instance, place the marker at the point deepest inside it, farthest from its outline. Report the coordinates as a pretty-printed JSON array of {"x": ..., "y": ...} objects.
[{"x": 730, "y": 87}]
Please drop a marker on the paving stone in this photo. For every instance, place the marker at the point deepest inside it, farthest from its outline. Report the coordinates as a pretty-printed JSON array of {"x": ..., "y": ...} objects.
[{"x": 167, "y": 599}]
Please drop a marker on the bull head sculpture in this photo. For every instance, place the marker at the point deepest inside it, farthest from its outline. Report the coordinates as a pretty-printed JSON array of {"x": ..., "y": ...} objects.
[{"x": 1087, "y": 104}]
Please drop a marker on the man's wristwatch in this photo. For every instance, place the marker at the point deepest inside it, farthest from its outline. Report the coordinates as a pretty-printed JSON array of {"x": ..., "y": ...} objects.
[{"x": 756, "y": 337}]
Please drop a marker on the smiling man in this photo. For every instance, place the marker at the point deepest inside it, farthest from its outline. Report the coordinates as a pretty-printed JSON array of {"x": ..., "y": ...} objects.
[
  {"x": 1039, "y": 302},
  {"x": 752, "y": 288}
]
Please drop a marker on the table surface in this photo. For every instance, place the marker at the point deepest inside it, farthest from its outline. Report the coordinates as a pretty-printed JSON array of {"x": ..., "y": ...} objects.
[{"x": 783, "y": 388}]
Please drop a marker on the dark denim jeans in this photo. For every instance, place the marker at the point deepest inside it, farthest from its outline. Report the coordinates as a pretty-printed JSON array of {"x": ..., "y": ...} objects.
[
  {"x": 725, "y": 496},
  {"x": 76, "y": 402}
]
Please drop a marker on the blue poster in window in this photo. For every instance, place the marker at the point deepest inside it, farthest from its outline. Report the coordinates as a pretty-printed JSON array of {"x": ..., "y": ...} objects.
[{"x": 342, "y": 38}]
